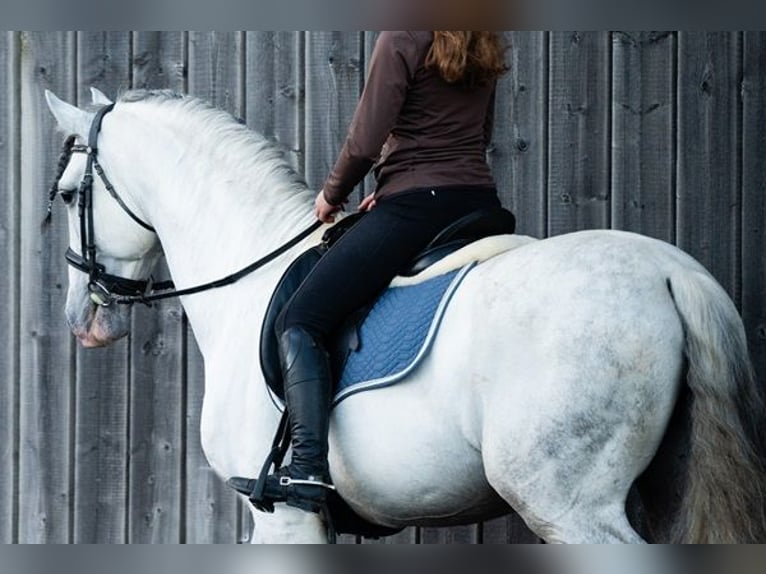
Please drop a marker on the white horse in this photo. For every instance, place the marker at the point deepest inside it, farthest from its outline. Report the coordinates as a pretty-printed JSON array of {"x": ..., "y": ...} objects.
[{"x": 549, "y": 388}]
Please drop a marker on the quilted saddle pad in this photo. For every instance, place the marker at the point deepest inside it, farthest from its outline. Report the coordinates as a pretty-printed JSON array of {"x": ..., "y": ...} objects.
[{"x": 397, "y": 333}]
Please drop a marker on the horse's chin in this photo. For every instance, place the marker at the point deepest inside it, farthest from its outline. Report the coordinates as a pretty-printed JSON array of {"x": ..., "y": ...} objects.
[{"x": 100, "y": 326}]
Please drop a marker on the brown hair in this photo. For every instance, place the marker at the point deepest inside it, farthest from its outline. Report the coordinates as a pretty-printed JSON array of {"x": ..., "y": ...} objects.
[{"x": 467, "y": 57}]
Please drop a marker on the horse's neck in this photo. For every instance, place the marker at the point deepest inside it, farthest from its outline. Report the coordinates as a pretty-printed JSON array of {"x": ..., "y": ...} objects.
[{"x": 215, "y": 215}]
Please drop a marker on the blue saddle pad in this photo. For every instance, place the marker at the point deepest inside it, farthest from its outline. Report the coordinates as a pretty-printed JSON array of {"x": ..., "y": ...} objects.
[{"x": 397, "y": 333}]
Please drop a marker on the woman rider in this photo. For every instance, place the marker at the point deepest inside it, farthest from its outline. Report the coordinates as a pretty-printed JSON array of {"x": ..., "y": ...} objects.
[{"x": 424, "y": 121}]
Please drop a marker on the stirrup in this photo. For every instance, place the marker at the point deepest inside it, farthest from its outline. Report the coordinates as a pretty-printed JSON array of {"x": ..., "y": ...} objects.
[
  {"x": 264, "y": 492},
  {"x": 286, "y": 480},
  {"x": 308, "y": 494}
]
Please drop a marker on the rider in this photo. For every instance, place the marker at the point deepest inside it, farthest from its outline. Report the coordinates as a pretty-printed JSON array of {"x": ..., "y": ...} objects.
[{"x": 424, "y": 120}]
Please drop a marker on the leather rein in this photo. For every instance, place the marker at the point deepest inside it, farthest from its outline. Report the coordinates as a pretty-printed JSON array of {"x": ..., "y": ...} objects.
[{"x": 106, "y": 288}]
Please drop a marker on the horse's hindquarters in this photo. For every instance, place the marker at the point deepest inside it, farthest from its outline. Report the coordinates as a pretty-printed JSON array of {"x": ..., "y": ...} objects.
[{"x": 571, "y": 355}]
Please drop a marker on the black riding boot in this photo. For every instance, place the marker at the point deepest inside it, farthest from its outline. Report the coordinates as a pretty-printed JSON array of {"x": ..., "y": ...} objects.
[{"x": 305, "y": 481}]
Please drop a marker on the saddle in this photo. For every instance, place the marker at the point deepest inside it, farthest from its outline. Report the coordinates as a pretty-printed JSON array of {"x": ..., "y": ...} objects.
[{"x": 472, "y": 227}]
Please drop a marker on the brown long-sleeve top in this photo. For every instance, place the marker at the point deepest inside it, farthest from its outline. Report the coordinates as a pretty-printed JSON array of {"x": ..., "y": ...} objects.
[{"x": 416, "y": 129}]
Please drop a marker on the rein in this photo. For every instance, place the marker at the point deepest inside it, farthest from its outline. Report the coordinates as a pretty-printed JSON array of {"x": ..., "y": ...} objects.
[{"x": 105, "y": 288}]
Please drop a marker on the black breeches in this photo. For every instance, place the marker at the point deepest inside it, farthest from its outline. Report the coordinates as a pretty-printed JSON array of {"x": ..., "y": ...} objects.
[{"x": 365, "y": 260}]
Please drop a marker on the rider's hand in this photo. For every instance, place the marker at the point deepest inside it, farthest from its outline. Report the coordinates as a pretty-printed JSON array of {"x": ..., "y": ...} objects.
[
  {"x": 368, "y": 203},
  {"x": 324, "y": 210}
]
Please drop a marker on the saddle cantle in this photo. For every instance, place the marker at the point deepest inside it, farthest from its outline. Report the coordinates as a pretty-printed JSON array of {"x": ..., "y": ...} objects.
[{"x": 474, "y": 226}]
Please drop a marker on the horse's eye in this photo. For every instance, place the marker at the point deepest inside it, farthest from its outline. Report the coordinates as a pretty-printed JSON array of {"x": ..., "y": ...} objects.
[{"x": 67, "y": 195}]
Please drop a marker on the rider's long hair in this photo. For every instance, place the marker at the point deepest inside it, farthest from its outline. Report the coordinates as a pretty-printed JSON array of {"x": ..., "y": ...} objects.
[{"x": 467, "y": 57}]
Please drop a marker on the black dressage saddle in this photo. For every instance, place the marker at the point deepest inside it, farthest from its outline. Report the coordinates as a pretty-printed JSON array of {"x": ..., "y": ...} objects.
[{"x": 472, "y": 227}]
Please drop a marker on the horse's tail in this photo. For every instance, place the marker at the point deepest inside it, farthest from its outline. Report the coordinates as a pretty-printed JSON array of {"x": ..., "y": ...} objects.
[{"x": 724, "y": 498}]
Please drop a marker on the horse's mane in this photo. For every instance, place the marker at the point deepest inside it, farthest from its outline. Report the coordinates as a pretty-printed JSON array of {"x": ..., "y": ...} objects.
[{"x": 232, "y": 144}]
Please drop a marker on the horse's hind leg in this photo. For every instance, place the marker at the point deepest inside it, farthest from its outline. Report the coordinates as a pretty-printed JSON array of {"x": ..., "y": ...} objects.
[
  {"x": 560, "y": 510},
  {"x": 568, "y": 476}
]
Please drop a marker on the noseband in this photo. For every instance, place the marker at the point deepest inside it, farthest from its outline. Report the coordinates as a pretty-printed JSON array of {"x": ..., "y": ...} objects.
[{"x": 104, "y": 287}]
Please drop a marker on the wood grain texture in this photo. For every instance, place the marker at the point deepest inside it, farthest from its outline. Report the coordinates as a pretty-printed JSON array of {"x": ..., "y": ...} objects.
[
  {"x": 709, "y": 130},
  {"x": 10, "y": 143},
  {"x": 578, "y": 131},
  {"x": 508, "y": 529},
  {"x": 518, "y": 152},
  {"x": 275, "y": 95},
  {"x": 643, "y": 135},
  {"x": 754, "y": 198},
  {"x": 157, "y": 445},
  {"x": 333, "y": 82},
  {"x": 101, "y": 446},
  {"x": 159, "y": 60},
  {"x": 46, "y": 472},
  {"x": 216, "y": 63}
]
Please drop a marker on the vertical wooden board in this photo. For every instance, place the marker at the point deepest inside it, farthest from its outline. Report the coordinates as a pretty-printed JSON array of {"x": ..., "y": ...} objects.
[
  {"x": 159, "y": 60},
  {"x": 754, "y": 198},
  {"x": 468, "y": 534},
  {"x": 216, "y": 68},
  {"x": 578, "y": 131},
  {"x": 275, "y": 91},
  {"x": 156, "y": 469},
  {"x": 46, "y": 388},
  {"x": 9, "y": 284},
  {"x": 410, "y": 535},
  {"x": 709, "y": 198},
  {"x": 157, "y": 402},
  {"x": 508, "y": 529},
  {"x": 518, "y": 152},
  {"x": 643, "y": 135},
  {"x": 101, "y": 425},
  {"x": 333, "y": 81}
]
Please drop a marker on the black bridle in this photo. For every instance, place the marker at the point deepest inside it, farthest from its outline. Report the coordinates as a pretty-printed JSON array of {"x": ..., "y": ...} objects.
[{"x": 104, "y": 287}]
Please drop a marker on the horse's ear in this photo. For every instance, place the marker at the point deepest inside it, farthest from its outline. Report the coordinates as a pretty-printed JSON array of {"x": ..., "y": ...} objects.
[
  {"x": 99, "y": 98},
  {"x": 71, "y": 119}
]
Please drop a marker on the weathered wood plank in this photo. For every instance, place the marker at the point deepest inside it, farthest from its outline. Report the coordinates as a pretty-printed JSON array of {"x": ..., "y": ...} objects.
[
  {"x": 101, "y": 418},
  {"x": 578, "y": 131},
  {"x": 508, "y": 530},
  {"x": 159, "y": 60},
  {"x": 643, "y": 136},
  {"x": 468, "y": 534},
  {"x": 10, "y": 141},
  {"x": 216, "y": 69},
  {"x": 216, "y": 74},
  {"x": 156, "y": 426},
  {"x": 158, "y": 394},
  {"x": 518, "y": 152},
  {"x": 333, "y": 83},
  {"x": 709, "y": 130},
  {"x": 46, "y": 391},
  {"x": 754, "y": 198},
  {"x": 275, "y": 95}
]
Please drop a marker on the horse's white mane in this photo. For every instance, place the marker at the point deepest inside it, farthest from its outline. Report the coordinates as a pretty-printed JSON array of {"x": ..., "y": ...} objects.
[{"x": 256, "y": 162}]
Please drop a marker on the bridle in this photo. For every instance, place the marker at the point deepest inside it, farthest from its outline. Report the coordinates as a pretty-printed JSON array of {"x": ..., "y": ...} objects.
[{"x": 104, "y": 287}]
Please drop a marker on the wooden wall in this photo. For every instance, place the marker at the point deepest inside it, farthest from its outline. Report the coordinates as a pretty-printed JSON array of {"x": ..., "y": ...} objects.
[{"x": 661, "y": 133}]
